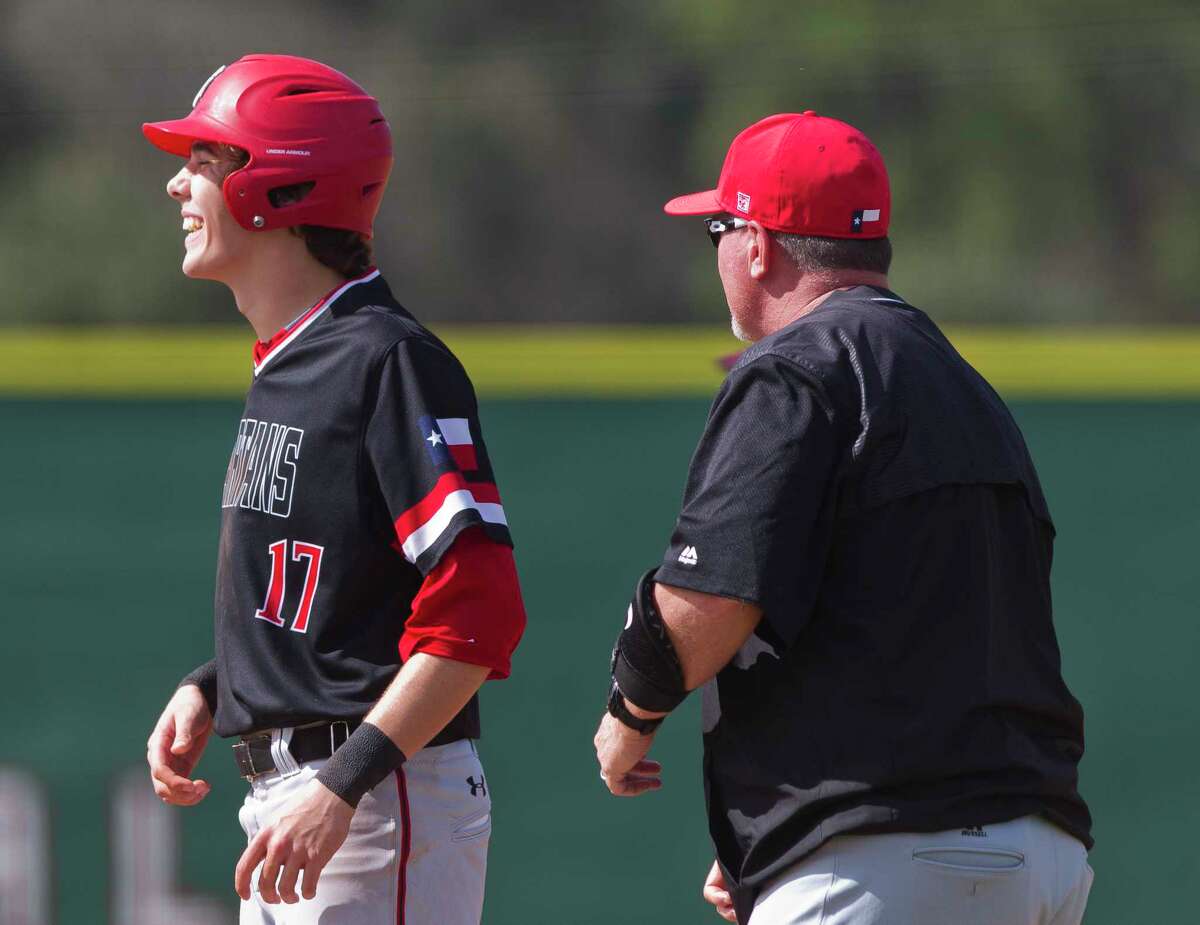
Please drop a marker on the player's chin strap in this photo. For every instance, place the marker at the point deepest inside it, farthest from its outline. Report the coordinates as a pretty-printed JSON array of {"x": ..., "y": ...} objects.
[{"x": 645, "y": 667}]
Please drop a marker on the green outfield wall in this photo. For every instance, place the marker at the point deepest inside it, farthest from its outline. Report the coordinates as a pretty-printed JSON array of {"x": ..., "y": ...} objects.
[{"x": 110, "y": 515}]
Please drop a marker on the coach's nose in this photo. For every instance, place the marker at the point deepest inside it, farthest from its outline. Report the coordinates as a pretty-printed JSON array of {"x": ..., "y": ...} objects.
[{"x": 179, "y": 187}]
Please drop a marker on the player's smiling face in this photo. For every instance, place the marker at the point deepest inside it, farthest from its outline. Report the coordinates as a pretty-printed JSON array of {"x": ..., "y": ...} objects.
[{"x": 215, "y": 243}]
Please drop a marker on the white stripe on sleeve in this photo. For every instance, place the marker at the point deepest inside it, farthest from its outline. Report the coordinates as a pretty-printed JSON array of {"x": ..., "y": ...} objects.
[{"x": 428, "y": 533}]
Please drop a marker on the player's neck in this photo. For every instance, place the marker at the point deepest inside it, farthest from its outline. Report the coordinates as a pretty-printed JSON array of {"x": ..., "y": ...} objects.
[{"x": 273, "y": 290}]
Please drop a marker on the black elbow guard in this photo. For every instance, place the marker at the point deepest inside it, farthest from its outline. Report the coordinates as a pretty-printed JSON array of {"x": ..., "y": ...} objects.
[{"x": 645, "y": 666}]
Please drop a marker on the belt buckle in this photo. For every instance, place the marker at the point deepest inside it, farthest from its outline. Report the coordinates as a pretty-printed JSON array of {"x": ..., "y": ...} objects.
[
  {"x": 244, "y": 756},
  {"x": 334, "y": 744}
]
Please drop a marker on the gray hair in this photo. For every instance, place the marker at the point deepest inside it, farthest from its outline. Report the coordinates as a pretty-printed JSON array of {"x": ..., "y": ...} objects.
[{"x": 812, "y": 254}]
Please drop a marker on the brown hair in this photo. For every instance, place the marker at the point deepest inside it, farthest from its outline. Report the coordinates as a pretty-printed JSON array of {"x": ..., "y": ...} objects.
[{"x": 343, "y": 251}]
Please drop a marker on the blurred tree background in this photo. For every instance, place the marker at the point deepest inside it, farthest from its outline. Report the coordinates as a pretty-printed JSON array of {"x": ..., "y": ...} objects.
[{"x": 1045, "y": 156}]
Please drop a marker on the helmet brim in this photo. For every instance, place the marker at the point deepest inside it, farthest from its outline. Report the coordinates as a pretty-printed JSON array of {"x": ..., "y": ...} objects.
[{"x": 176, "y": 136}]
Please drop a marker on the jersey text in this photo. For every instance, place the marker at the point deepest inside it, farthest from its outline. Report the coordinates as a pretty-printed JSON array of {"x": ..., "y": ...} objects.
[{"x": 262, "y": 469}]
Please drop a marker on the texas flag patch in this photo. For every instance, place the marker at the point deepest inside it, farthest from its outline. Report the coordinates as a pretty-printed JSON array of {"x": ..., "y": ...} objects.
[{"x": 449, "y": 439}]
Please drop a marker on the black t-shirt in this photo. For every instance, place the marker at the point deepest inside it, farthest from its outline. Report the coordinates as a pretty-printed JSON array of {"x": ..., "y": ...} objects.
[
  {"x": 358, "y": 460},
  {"x": 860, "y": 482}
]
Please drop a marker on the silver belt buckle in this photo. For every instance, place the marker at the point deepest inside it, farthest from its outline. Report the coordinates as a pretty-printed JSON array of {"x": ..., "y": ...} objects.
[
  {"x": 249, "y": 771},
  {"x": 333, "y": 746}
]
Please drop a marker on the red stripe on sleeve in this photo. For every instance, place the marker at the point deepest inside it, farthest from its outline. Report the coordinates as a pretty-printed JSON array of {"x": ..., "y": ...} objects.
[
  {"x": 419, "y": 513},
  {"x": 464, "y": 456},
  {"x": 469, "y": 607}
]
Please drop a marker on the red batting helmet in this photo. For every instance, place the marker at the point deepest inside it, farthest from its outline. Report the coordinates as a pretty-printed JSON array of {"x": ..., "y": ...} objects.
[{"x": 300, "y": 122}]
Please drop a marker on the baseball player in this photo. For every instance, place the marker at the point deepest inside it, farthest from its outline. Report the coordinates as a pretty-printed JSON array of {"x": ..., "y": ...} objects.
[
  {"x": 860, "y": 578},
  {"x": 365, "y": 579}
]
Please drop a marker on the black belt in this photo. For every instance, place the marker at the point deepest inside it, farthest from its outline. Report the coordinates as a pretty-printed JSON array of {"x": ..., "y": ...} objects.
[{"x": 309, "y": 743}]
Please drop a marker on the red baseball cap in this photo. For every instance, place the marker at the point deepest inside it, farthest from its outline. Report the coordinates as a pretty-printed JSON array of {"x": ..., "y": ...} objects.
[{"x": 800, "y": 173}]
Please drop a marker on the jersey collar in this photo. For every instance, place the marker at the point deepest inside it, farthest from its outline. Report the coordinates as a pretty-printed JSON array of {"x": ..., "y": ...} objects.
[{"x": 267, "y": 350}]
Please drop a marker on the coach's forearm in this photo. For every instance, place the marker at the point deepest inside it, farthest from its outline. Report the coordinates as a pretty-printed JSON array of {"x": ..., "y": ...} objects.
[
  {"x": 427, "y": 693},
  {"x": 705, "y": 630}
]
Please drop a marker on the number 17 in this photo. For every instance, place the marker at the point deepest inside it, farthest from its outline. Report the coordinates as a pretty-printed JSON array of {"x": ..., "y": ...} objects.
[{"x": 273, "y": 604}]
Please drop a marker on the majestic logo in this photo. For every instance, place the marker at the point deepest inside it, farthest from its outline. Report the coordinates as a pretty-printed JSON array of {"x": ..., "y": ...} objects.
[
  {"x": 262, "y": 468},
  {"x": 975, "y": 831},
  {"x": 688, "y": 556},
  {"x": 477, "y": 789},
  {"x": 743, "y": 202}
]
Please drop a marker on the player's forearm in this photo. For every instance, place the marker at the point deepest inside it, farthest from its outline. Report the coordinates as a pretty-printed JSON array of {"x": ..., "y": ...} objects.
[
  {"x": 425, "y": 695},
  {"x": 205, "y": 678}
]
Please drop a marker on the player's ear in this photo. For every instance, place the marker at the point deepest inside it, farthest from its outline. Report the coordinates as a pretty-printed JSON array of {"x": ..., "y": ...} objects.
[{"x": 758, "y": 250}]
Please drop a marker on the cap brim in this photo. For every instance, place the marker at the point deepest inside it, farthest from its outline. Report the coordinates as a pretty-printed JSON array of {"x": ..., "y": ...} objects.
[
  {"x": 695, "y": 204},
  {"x": 177, "y": 136}
]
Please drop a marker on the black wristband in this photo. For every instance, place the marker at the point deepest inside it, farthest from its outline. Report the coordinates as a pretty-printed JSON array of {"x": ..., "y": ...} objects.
[
  {"x": 205, "y": 678},
  {"x": 366, "y": 758},
  {"x": 617, "y": 709}
]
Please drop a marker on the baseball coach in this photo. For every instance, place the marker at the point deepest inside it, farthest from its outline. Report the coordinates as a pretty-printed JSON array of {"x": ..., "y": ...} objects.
[{"x": 859, "y": 577}]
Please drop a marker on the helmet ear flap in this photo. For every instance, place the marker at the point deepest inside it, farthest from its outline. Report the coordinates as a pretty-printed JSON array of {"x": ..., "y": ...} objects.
[
  {"x": 247, "y": 196},
  {"x": 236, "y": 189}
]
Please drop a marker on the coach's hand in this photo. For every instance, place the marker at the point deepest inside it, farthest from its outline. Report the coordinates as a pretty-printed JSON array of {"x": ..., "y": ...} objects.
[
  {"x": 717, "y": 893},
  {"x": 622, "y": 755},
  {"x": 304, "y": 838},
  {"x": 175, "y": 746}
]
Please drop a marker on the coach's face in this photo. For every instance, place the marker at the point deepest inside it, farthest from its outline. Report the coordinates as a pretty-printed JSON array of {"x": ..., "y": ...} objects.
[
  {"x": 215, "y": 241},
  {"x": 740, "y": 264}
]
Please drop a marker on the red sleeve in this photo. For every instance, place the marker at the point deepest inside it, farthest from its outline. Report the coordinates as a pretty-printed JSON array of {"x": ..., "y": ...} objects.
[{"x": 469, "y": 606}]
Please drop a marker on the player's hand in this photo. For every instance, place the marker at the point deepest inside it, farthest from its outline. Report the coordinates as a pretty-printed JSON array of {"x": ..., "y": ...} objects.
[
  {"x": 717, "y": 893},
  {"x": 175, "y": 746},
  {"x": 304, "y": 837},
  {"x": 622, "y": 756}
]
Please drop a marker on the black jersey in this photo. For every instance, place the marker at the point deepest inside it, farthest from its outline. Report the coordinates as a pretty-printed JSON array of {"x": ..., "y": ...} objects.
[
  {"x": 358, "y": 460},
  {"x": 859, "y": 481}
]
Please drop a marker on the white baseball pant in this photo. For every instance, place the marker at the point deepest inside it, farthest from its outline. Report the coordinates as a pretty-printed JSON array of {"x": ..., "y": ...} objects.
[
  {"x": 1023, "y": 872},
  {"x": 417, "y": 849}
]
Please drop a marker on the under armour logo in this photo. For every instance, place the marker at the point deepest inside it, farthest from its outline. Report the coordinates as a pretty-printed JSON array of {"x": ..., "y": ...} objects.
[{"x": 477, "y": 789}]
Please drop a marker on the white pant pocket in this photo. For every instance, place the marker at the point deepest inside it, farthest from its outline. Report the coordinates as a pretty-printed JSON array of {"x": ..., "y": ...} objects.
[
  {"x": 472, "y": 827},
  {"x": 970, "y": 860}
]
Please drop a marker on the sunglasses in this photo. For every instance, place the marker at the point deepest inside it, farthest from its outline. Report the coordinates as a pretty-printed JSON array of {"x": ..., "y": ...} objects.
[{"x": 719, "y": 224}]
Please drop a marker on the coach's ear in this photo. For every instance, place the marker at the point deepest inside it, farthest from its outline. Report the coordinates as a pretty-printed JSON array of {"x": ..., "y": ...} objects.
[{"x": 759, "y": 251}]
